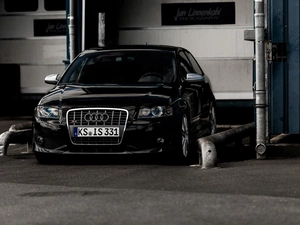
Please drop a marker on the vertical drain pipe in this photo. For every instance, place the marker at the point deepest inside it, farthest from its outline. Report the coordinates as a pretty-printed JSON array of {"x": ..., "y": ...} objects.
[
  {"x": 260, "y": 87},
  {"x": 72, "y": 31}
]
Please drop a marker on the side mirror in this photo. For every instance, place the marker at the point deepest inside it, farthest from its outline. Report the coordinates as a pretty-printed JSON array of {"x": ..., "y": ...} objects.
[
  {"x": 51, "y": 79},
  {"x": 194, "y": 77}
]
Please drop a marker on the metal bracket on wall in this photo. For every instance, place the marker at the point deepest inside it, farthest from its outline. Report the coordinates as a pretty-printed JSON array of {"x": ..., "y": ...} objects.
[{"x": 249, "y": 35}]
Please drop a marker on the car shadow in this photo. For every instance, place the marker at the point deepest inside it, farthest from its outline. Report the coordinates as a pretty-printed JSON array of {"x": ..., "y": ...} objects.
[{"x": 135, "y": 159}]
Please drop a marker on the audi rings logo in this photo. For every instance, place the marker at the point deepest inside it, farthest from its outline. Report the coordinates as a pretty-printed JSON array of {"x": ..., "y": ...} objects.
[{"x": 96, "y": 117}]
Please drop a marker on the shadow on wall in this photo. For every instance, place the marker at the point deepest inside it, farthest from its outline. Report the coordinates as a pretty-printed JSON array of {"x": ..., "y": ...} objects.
[
  {"x": 17, "y": 107},
  {"x": 232, "y": 115}
]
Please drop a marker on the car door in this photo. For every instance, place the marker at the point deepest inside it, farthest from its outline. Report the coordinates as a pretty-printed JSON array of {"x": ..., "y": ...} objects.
[
  {"x": 205, "y": 86},
  {"x": 193, "y": 91}
]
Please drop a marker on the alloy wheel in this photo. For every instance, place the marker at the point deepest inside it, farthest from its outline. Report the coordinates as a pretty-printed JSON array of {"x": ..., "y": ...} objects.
[{"x": 185, "y": 138}]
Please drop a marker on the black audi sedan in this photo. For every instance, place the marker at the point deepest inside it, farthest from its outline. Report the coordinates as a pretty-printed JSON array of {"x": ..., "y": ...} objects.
[{"x": 125, "y": 100}]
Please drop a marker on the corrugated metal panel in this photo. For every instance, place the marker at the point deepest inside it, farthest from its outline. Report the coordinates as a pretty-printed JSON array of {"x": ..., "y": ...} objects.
[{"x": 284, "y": 75}]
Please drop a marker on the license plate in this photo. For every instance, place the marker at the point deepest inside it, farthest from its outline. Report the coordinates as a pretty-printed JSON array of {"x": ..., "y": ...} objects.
[{"x": 96, "y": 132}]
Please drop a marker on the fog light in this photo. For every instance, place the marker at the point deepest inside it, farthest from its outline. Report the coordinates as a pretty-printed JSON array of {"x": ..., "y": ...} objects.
[
  {"x": 39, "y": 140},
  {"x": 160, "y": 140}
]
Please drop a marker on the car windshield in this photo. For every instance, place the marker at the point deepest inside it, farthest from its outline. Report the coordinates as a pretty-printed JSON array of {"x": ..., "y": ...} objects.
[{"x": 122, "y": 67}]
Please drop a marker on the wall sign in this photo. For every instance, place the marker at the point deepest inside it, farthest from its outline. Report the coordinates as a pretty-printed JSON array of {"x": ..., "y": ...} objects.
[
  {"x": 198, "y": 13},
  {"x": 51, "y": 27}
]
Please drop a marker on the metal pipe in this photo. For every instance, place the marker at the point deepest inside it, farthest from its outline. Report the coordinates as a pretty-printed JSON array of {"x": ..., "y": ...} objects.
[
  {"x": 267, "y": 66},
  {"x": 72, "y": 30},
  {"x": 260, "y": 87},
  {"x": 83, "y": 25}
]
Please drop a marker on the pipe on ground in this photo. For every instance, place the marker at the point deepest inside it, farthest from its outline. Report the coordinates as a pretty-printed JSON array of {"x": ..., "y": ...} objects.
[
  {"x": 17, "y": 134},
  {"x": 208, "y": 145}
]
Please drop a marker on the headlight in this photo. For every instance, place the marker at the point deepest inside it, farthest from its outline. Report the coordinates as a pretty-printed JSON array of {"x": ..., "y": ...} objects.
[
  {"x": 156, "y": 111},
  {"x": 47, "y": 112}
]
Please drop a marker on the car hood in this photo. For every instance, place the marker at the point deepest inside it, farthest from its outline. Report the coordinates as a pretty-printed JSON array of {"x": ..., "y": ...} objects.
[{"x": 70, "y": 96}]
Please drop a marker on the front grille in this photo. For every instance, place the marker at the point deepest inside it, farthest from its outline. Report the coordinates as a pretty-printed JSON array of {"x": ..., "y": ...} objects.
[{"x": 95, "y": 118}]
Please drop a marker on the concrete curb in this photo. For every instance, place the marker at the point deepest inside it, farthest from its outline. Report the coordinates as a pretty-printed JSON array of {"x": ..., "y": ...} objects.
[
  {"x": 208, "y": 145},
  {"x": 17, "y": 134}
]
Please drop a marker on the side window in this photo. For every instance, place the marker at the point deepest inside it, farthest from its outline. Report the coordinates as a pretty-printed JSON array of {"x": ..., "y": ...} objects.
[
  {"x": 184, "y": 65},
  {"x": 194, "y": 63}
]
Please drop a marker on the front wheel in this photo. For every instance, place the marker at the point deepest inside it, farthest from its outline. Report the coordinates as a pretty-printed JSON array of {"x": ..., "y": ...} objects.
[
  {"x": 183, "y": 146},
  {"x": 185, "y": 136},
  {"x": 44, "y": 158}
]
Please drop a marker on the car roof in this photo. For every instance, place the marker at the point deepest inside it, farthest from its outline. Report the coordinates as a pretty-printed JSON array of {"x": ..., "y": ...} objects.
[{"x": 139, "y": 47}]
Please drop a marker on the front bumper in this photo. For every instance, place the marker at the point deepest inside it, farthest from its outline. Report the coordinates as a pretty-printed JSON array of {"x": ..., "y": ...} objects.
[{"x": 151, "y": 136}]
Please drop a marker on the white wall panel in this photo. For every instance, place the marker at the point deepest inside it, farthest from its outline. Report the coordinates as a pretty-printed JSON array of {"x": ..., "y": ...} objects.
[
  {"x": 149, "y": 14},
  {"x": 226, "y": 42},
  {"x": 32, "y": 78},
  {"x": 236, "y": 74},
  {"x": 46, "y": 51},
  {"x": 221, "y": 49}
]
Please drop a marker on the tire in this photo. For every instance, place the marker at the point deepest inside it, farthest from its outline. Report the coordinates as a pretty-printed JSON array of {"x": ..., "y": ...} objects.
[{"x": 44, "y": 158}]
